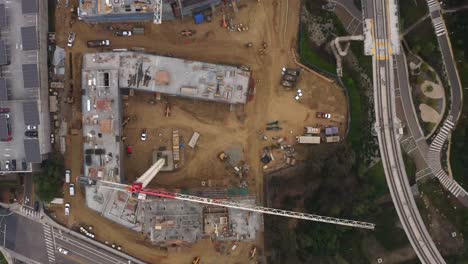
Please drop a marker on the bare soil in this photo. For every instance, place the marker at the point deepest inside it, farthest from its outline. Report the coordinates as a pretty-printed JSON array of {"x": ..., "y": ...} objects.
[{"x": 275, "y": 22}]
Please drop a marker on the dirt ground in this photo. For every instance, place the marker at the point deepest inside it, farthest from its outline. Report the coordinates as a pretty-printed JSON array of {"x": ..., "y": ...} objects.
[{"x": 275, "y": 22}]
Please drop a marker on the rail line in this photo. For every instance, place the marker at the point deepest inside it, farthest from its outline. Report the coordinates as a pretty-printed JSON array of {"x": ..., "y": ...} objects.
[{"x": 389, "y": 147}]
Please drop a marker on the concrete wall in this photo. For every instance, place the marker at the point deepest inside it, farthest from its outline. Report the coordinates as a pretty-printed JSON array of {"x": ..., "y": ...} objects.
[{"x": 44, "y": 115}]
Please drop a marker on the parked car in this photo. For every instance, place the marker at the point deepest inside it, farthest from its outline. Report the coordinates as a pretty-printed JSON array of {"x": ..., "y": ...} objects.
[
  {"x": 67, "y": 209},
  {"x": 123, "y": 33},
  {"x": 72, "y": 189},
  {"x": 323, "y": 115},
  {"x": 7, "y": 165},
  {"x": 71, "y": 39},
  {"x": 62, "y": 250},
  {"x": 31, "y": 127},
  {"x": 143, "y": 135},
  {"x": 31, "y": 133},
  {"x": 24, "y": 165},
  {"x": 13, "y": 165},
  {"x": 52, "y": 138},
  {"x": 36, "y": 206}
]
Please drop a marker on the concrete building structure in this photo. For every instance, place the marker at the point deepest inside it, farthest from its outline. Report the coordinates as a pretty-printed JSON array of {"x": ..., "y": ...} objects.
[
  {"x": 105, "y": 11},
  {"x": 23, "y": 85},
  {"x": 106, "y": 75}
]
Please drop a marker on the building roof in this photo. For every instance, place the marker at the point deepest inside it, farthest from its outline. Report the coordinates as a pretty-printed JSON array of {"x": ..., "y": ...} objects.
[
  {"x": 31, "y": 113},
  {"x": 3, "y": 90},
  {"x": 331, "y": 131},
  {"x": 31, "y": 148},
  {"x": 3, "y": 126},
  {"x": 3, "y": 53},
  {"x": 29, "y": 6},
  {"x": 3, "y": 16},
  {"x": 29, "y": 38},
  {"x": 30, "y": 76}
]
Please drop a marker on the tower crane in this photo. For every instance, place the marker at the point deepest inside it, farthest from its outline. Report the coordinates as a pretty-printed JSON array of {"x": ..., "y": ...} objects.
[
  {"x": 139, "y": 187},
  {"x": 157, "y": 12}
]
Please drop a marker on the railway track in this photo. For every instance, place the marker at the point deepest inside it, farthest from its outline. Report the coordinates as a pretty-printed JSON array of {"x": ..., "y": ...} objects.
[{"x": 391, "y": 155}]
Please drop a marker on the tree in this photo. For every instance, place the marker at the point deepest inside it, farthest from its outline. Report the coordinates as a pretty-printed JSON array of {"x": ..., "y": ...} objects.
[{"x": 49, "y": 180}]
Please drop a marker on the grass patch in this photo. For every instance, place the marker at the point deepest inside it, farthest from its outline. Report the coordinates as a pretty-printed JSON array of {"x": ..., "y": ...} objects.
[
  {"x": 354, "y": 136},
  {"x": 456, "y": 23},
  {"x": 310, "y": 57},
  {"x": 51, "y": 12},
  {"x": 424, "y": 43},
  {"x": 428, "y": 126},
  {"x": 3, "y": 259},
  {"x": 410, "y": 168},
  {"x": 445, "y": 203},
  {"x": 387, "y": 232},
  {"x": 376, "y": 177},
  {"x": 411, "y": 11}
]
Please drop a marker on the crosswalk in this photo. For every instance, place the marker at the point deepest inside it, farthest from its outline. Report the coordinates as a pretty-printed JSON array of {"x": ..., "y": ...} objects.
[
  {"x": 432, "y": 3},
  {"x": 439, "y": 28},
  {"x": 27, "y": 211},
  {"x": 434, "y": 157},
  {"x": 50, "y": 245}
]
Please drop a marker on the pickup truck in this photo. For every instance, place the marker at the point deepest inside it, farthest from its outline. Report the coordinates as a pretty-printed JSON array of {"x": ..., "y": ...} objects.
[{"x": 98, "y": 43}]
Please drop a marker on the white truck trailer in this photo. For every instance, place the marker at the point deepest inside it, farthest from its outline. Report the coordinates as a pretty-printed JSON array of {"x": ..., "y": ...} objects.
[{"x": 308, "y": 139}]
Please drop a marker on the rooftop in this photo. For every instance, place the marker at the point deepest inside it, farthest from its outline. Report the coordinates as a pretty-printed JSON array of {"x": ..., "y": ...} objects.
[
  {"x": 20, "y": 82},
  {"x": 138, "y": 10},
  {"x": 104, "y": 74}
]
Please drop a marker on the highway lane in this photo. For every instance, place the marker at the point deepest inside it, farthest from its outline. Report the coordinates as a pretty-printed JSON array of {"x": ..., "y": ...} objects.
[
  {"x": 384, "y": 91},
  {"x": 448, "y": 59},
  {"x": 80, "y": 251}
]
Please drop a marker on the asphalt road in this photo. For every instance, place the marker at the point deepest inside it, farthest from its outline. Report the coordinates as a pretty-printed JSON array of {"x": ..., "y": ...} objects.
[
  {"x": 79, "y": 251},
  {"x": 38, "y": 242},
  {"x": 23, "y": 236},
  {"x": 452, "y": 76}
]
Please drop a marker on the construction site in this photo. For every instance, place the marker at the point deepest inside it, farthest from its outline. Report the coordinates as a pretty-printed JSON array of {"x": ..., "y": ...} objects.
[{"x": 178, "y": 100}]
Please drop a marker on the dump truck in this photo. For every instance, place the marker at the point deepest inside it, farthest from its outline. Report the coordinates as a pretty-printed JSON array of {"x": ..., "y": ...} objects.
[
  {"x": 223, "y": 156},
  {"x": 308, "y": 139},
  {"x": 98, "y": 43}
]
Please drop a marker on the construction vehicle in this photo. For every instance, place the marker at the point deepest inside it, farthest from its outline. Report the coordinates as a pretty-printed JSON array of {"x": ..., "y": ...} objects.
[
  {"x": 138, "y": 188},
  {"x": 249, "y": 45},
  {"x": 98, "y": 43},
  {"x": 252, "y": 252},
  {"x": 196, "y": 260},
  {"x": 187, "y": 32},
  {"x": 167, "y": 110},
  {"x": 274, "y": 123},
  {"x": 223, "y": 156},
  {"x": 274, "y": 128}
]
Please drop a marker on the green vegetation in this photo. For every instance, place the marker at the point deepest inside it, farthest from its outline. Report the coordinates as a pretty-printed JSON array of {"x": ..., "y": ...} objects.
[
  {"x": 423, "y": 42},
  {"x": 411, "y": 11},
  {"x": 459, "y": 150},
  {"x": 449, "y": 207},
  {"x": 429, "y": 89},
  {"x": 387, "y": 231},
  {"x": 50, "y": 179},
  {"x": 376, "y": 178},
  {"x": 310, "y": 57},
  {"x": 51, "y": 12},
  {"x": 410, "y": 168},
  {"x": 3, "y": 259}
]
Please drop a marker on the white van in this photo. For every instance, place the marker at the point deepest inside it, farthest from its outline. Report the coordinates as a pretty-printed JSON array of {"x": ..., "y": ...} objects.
[
  {"x": 72, "y": 189},
  {"x": 67, "y": 176}
]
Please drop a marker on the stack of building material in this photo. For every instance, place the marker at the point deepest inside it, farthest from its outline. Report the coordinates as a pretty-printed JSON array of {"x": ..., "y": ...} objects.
[{"x": 175, "y": 145}]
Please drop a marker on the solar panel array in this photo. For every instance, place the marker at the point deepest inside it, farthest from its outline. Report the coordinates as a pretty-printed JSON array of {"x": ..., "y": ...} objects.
[
  {"x": 31, "y": 113},
  {"x": 29, "y": 38},
  {"x": 31, "y": 147},
  {"x": 30, "y": 76},
  {"x": 29, "y": 6},
  {"x": 3, "y": 16},
  {"x": 3, "y": 90}
]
